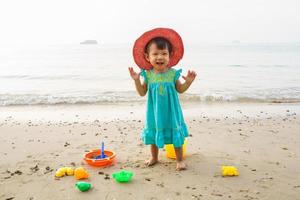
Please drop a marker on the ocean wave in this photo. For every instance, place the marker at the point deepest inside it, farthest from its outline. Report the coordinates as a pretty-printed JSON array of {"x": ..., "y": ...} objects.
[
  {"x": 125, "y": 97},
  {"x": 237, "y": 99},
  {"x": 55, "y": 99}
]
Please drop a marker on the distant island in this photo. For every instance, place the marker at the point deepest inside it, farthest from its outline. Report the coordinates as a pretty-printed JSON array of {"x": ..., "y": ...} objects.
[{"x": 89, "y": 42}]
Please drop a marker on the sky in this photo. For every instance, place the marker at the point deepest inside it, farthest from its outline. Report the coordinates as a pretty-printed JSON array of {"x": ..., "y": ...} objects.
[{"x": 122, "y": 21}]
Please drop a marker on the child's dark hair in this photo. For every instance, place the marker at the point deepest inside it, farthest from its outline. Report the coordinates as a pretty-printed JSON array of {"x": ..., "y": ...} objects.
[{"x": 161, "y": 44}]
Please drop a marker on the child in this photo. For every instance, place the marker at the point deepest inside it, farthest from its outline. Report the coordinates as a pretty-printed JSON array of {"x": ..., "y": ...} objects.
[{"x": 157, "y": 51}]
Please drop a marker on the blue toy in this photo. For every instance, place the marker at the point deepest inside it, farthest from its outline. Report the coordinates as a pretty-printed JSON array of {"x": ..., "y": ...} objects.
[{"x": 102, "y": 155}]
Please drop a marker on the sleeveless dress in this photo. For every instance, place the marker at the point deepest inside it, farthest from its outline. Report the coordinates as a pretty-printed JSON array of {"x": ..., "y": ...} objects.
[{"x": 164, "y": 119}]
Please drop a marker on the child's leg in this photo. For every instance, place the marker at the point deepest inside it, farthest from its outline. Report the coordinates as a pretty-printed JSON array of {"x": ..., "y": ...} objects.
[
  {"x": 179, "y": 159},
  {"x": 154, "y": 155}
]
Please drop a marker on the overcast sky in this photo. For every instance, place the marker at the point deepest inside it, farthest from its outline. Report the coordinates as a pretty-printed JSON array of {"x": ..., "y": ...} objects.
[{"x": 122, "y": 21}]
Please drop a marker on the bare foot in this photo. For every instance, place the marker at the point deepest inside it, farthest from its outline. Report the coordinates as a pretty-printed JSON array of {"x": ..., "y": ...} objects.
[
  {"x": 180, "y": 165},
  {"x": 151, "y": 161}
]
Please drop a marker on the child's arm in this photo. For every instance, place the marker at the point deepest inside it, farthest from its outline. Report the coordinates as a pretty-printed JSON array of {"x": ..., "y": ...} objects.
[
  {"x": 182, "y": 87},
  {"x": 141, "y": 88}
]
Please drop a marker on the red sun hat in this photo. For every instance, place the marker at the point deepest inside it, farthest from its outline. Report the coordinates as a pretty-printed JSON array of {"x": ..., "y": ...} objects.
[{"x": 169, "y": 34}]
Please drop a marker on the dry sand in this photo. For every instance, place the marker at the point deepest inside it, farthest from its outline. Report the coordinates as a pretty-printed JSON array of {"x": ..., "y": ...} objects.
[{"x": 261, "y": 140}]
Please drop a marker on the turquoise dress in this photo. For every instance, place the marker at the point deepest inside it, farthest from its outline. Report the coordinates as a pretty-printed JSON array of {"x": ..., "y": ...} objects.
[{"x": 164, "y": 119}]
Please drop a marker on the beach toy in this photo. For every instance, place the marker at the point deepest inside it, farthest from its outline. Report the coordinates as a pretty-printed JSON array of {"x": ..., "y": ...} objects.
[
  {"x": 170, "y": 151},
  {"x": 122, "y": 176},
  {"x": 60, "y": 172},
  {"x": 102, "y": 155},
  {"x": 64, "y": 171},
  {"x": 69, "y": 171},
  {"x": 83, "y": 186},
  {"x": 91, "y": 158},
  {"x": 229, "y": 171},
  {"x": 80, "y": 173}
]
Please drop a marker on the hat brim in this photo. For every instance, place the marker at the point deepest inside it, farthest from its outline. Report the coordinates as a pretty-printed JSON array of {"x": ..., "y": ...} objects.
[{"x": 169, "y": 34}]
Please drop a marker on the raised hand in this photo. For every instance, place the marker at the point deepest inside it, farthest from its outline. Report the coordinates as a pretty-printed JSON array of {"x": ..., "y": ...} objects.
[
  {"x": 190, "y": 77},
  {"x": 135, "y": 76}
]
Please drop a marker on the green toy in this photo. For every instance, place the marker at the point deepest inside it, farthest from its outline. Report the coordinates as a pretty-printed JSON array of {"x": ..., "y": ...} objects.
[
  {"x": 122, "y": 176},
  {"x": 83, "y": 186}
]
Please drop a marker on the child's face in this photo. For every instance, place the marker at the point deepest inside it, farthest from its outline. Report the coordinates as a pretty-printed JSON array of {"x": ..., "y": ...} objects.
[{"x": 159, "y": 58}]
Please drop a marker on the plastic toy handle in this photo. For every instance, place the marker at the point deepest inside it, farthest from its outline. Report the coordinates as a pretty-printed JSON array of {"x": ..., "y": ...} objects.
[{"x": 102, "y": 151}]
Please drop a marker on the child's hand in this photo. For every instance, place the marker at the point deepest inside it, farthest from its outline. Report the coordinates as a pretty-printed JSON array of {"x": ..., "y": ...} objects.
[
  {"x": 190, "y": 77},
  {"x": 135, "y": 76}
]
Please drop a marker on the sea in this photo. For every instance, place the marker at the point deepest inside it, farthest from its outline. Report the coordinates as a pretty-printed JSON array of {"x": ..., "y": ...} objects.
[{"x": 98, "y": 74}]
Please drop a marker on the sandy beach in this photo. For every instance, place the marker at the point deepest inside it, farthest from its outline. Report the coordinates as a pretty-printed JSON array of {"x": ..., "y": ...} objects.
[{"x": 261, "y": 140}]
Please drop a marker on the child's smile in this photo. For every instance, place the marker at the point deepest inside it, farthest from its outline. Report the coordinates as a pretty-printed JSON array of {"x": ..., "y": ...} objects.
[
  {"x": 159, "y": 58},
  {"x": 160, "y": 63}
]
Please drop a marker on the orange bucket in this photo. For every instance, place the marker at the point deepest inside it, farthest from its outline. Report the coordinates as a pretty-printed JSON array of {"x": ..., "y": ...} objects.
[{"x": 90, "y": 158}]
